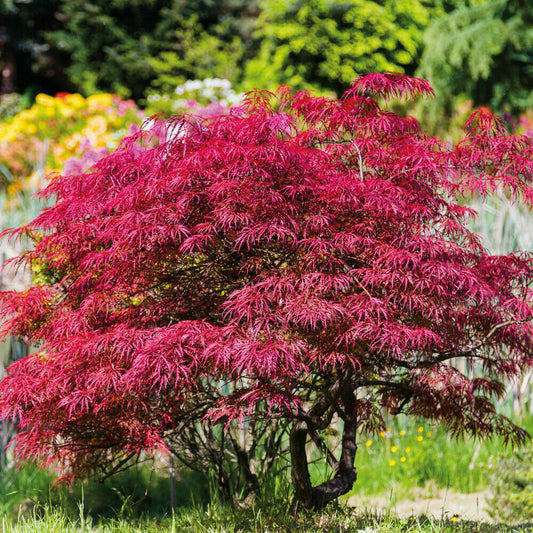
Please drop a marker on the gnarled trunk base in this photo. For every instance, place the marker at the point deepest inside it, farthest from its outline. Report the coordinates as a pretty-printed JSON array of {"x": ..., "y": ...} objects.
[{"x": 345, "y": 472}]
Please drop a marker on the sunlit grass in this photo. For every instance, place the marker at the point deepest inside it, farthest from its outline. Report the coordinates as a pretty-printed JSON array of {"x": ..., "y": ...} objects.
[{"x": 218, "y": 518}]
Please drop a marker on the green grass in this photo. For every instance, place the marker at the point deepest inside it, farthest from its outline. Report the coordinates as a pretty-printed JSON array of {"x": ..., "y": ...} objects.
[
  {"x": 134, "y": 493},
  {"x": 217, "y": 518}
]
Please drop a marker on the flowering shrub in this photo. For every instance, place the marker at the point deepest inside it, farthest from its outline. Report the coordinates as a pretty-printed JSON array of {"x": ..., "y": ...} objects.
[
  {"x": 205, "y": 98},
  {"x": 43, "y": 139}
]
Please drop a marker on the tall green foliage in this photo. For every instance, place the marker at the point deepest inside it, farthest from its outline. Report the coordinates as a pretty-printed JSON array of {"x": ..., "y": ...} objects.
[
  {"x": 484, "y": 51},
  {"x": 108, "y": 42},
  {"x": 326, "y": 44},
  {"x": 123, "y": 46}
]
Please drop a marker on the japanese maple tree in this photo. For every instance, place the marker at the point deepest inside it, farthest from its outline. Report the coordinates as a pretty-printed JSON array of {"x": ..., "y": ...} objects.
[{"x": 301, "y": 262}]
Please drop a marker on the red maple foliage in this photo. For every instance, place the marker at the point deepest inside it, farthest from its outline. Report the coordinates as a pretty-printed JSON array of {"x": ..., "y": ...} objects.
[{"x": 300, "y": 261}]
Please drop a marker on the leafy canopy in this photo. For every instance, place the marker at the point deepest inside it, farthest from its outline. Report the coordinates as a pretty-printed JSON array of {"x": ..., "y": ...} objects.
[{"x": 302, "y": 259}]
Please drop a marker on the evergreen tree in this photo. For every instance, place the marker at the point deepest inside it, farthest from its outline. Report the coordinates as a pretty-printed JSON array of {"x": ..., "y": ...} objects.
[
  {"x": 484, "y": 51},
  {"x": 206, "y": 38},
  {"x": 109, "y": 43},
  {"x": 123, "y": 46}
]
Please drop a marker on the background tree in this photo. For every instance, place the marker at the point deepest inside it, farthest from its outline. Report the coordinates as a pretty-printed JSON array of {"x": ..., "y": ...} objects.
[
  {"x": 206, "y": 39},
  {"x": 108, "y": 43},
  {"x": 483, "y": 51},
  {"x": 299, "y": 263},
  {"x": 325, "y": 45},
  {"x": 122, "y": 46}
]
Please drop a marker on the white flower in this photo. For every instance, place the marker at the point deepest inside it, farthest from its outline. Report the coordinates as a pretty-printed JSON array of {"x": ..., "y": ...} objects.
[
  {"x": 208, "y": 92},
  {"x": 192, "y": 85}
]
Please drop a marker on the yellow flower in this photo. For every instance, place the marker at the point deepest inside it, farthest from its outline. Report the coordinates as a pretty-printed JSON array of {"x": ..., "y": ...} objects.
[
  {"x": 99, "y": 102},
  {"x": 420, "y": 429},
  {"x": 98, "y": 124},
  {"x": 394, "y": 449},
  {"x": 13, "y": 188},
  {"x": 402, "y": 459},
  {"x": 382, "y": 433},
  {"x": 73, "y": 141},
  {"x": 44, "y": 99},
  {"x": 407, "y": 450},
  {"x": 392, "y": 463},
  {"x": 429, "y": 433},
  {"x": 75, "y": 100},
  {"x": 402, "y": 432},
  {"x": 420, "y": 438},
  {"x": 455, "y": 519},
  {"x": 368, "y": 443}
]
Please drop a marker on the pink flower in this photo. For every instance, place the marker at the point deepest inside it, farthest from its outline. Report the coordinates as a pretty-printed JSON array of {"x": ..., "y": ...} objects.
[{"x": 72, "y": 166}]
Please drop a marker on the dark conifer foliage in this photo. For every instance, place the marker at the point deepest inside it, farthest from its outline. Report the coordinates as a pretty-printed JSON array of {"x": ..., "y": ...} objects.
[{"x": 301, "y": 262}]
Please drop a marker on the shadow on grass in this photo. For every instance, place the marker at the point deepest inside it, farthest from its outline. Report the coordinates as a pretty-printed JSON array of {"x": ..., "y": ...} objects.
[{"x": 131, "y": 494}]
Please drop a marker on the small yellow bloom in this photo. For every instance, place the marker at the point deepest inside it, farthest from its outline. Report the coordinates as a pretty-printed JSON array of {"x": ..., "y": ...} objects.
[
  {"x": 98, "y": 124},
  {"x": 368, "y": 443},
  {"x": 402, "y": 459},
  {"x": 430, "y": 433},
  {"x": 455, "y": 519},
  {"x": 44, "y": 99},
  {"x": 98, "y": 102},
  {"x": 407, "y": 450},
  {"x": 392, "y": 463},
  {"x": 13, "y": 188},
  {"x": 382, "y": 433},
  {"x": 402, "y": 432},
  {"x": 420, "y": 429},
  {"x": 75, "y": 100},
  {"x": 394, "y": 449},
  {"x": 420, "y": 438}
]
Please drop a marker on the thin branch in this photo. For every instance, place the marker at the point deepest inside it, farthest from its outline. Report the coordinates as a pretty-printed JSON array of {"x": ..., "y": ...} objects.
[
  {"x": 321, "y": 445},
  {"x": 360, "y": 161},
  {"x": 380, "y": 383}
]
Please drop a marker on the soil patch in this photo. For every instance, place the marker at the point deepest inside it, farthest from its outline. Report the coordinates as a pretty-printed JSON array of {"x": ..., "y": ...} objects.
[{"x": 440, "y": 504}]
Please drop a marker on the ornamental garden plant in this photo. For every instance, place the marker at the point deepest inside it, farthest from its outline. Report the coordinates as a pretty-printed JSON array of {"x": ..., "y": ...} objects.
[
  {"x": 267, "y": 285},
  {"x": 82, "y": 130}
]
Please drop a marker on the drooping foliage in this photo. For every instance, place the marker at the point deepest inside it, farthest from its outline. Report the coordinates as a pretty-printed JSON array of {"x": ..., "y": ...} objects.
[{"x": 298, "y": 263}]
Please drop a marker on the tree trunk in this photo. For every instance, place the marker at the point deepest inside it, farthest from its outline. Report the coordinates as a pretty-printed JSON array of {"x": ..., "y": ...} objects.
[{"x": 345, "y": 473}]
